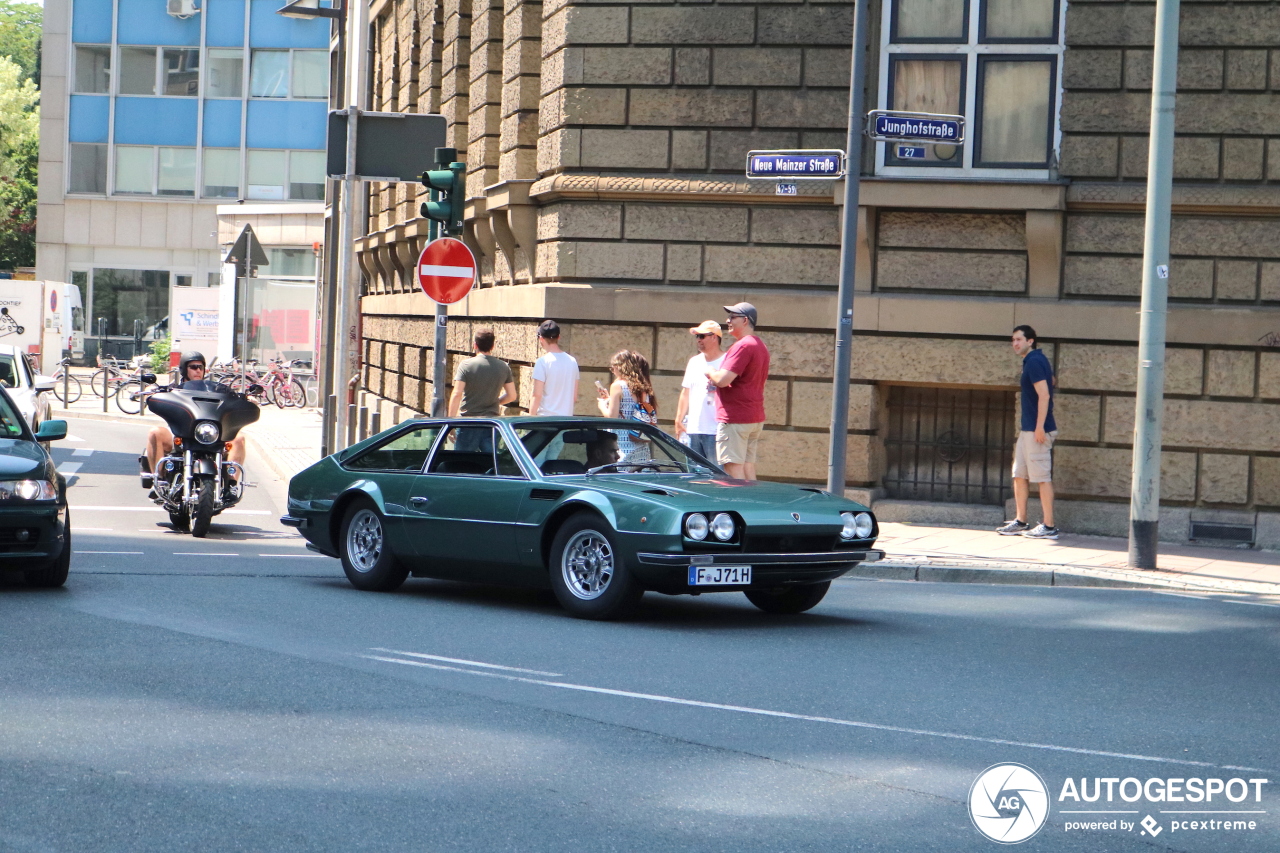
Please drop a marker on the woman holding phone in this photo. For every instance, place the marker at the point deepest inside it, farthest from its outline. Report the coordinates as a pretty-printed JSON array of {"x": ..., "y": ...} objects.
[{"x": 629, "y": 396}]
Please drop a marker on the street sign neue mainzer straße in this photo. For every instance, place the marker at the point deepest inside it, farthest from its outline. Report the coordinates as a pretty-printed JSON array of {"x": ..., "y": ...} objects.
[
  {"x": 897, "y": 125},
  {"x": 796, "y": 165}
]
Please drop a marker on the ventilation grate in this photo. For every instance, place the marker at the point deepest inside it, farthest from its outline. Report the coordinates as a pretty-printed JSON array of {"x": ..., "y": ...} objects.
[{"x": 1242, "y": 533}]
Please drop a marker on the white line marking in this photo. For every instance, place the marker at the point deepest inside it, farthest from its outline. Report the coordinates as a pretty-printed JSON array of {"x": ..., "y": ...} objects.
[
  {"x": 470, "y": 662},
  {"x": 447, "y": 272},
  {"x": 296, "y": 556},
  {"x": 1094, "y": 811},
  {"x": 202, "y": 554},
  {"x": 82, "y": 451},
  {"x": 107, "y": 552},
  {"x": 66, "y": 469},
  {"x": 161, "y": 509},
  {"x": 73, "y": 438},
  {"x": 810, "y": 718},
  {"x": 1254, "y": 603},
  {"x": 1229, "y": 811},
  {"x": 79, "y": 529}
]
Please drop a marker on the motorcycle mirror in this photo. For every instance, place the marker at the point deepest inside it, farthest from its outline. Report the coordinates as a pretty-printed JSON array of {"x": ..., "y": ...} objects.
[
  {"x": 149, "y": 378},
  {"x": 256, "y": 390}
]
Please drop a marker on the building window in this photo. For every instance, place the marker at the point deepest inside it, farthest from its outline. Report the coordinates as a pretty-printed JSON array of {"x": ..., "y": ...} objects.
[
  {"x": 181, "y": 72},
  {"x": 172, "y": 71},
  {"x": 177, "y": 175},
  {"x": 226, "y": 73},
  {"x": 87, "y": 168},
  {"x": 278, "y": 175},
  {"x": 221, "y": 173},
  {"x": 300, "y": 262},
  {"x": 289, "y": 74},
  {"x": 125, "y": 296},
  {"x": 996, "y": 62},
  {"x": 135, "y": 170},
  {"x": 137, "y": 71},
  {"x": 93, "y": 69}
]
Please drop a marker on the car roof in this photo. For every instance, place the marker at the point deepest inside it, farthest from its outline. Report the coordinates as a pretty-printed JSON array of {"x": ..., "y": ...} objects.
[
  {"x": 531, "y": 420},
  {"x": 9, "y": 349}
]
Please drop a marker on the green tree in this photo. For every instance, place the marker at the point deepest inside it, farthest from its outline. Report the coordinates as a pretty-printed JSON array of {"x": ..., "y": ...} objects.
[
  {"x": 20, "y": 36},
  {"x": 19, "y": 156}
]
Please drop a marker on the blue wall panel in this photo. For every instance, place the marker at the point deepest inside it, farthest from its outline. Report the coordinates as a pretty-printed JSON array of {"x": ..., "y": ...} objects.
[
  {"x": 88, "y": 120},
  {"x": 91, "y": 22},
  {"x": 225, "y": 27},
  {"x": 222, "y": 124},
  {"x": 146, "y": 22},
  {"x": 267, "y": 29},
  {"x": 156, "y": 121},
  {"x": 286, "y": 124}
]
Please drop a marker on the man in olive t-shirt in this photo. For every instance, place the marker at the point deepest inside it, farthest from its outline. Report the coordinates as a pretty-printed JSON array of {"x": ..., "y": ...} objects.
[{"x": 483, "y": 384}]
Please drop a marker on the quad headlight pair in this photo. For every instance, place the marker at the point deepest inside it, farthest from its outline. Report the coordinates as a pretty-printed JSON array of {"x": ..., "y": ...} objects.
[
  {"x": 857, "y": 525},
  {"x": 721, "y": 526}
]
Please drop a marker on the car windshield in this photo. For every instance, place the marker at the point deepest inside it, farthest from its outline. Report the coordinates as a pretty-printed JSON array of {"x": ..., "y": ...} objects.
[
  {"x": 10, "y": 420},
  {"x": 581, "y": 448}
]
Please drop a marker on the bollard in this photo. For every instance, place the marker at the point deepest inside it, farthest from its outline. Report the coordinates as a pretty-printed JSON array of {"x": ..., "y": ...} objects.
[
  {"x": 105, "y": 377},
  {"x": 375, "y": 423},
  {"x": 66, "y": 383},
  {"x": 364, "y": 423},
  {"x": 351, "y": 425}
]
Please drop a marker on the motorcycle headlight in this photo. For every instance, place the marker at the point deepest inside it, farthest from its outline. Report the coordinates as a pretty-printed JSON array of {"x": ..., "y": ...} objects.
[
  {"x": 722, "y": 527},
  {"x": 27, "y": 490},
  {"x": 206, "y": 432},
  {"x": 695, "y": 526}
]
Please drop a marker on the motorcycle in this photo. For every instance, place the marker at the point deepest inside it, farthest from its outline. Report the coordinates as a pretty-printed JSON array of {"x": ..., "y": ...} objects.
[{"x": 195, "y": 481}]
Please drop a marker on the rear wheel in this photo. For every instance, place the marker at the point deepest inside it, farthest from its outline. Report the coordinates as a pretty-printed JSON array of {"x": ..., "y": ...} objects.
[
  {"x": 793, "y": 599},
  {"x": 588, "y": 575},
  {"x": 73, "y": 390},
  {"x": 202, "y": 513},
  {"x": 366, "y": 555},
  {"x": 129, "y": 397},
  {"x": 55, "y": 573}
]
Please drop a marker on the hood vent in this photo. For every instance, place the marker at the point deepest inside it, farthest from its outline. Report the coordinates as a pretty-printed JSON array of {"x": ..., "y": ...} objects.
[{"x": 662, "y": 492}]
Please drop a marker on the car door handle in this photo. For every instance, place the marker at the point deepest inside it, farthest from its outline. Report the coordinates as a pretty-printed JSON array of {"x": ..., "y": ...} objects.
[{"x": 418, "y": 500}]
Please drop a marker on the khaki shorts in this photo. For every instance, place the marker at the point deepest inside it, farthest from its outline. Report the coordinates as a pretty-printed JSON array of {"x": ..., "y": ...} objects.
[
  {"x": 738, "y": 444},
  {"x": 1033, "y": 461}
]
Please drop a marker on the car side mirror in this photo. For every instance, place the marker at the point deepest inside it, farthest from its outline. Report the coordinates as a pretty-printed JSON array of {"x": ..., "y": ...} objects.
[
  {"x": 52, "y": 431},
  {"x": 43, "y": 383}
]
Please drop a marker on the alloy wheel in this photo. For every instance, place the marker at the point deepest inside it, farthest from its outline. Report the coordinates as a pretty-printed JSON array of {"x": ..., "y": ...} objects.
[
  {"x": 587, "y": 564},
  {"x": 364, "y": 540}
]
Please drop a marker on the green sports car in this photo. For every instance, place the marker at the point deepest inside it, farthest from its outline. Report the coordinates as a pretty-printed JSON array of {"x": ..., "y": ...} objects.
[{"x": 598, "y": 510}]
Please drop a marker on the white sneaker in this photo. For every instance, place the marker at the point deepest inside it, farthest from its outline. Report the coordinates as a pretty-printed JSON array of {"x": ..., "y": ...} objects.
[
  {"x": 1013, "y": 528},
  {"x": 1040, "y": 531}
]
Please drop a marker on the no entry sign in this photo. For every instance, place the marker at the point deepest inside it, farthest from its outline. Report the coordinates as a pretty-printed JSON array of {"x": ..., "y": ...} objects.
[{"x": 446, "y": 270}]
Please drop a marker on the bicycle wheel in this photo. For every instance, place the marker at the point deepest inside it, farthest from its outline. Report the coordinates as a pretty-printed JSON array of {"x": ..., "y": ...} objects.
[
  {"x": 298, "y": 394},
  {"x": 130, "y": 396},
  {"x": 95, "y": 383},
  {"x": 73, "y": 390}
]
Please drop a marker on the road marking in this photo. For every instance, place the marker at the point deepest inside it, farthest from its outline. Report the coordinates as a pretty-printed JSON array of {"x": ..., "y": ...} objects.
[
  {"x": 811, "y": 718},
  {"x": 79, "y": 529},
  {"x": 471, "y": 662},
  {"x": 203, "y": 554},
  {"x": 73, "y": 438},
  {"x": 298, "y": 556},
  {"x": 82, "y": 451},
  {"x": 107, "y": 552},
  {"x": 66, "y": 469},
  {"x": 1254, "y": 603},
  {"x": 162, "y": 509}
]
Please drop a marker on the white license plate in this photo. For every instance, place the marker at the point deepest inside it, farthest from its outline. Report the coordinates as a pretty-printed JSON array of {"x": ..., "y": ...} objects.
[{"x": 719, "y": 575}]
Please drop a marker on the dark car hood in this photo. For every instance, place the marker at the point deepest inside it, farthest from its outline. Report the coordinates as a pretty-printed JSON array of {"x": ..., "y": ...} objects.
[
  {"x": 21, "y": 459},
  {"x": 681, "y": 491}
]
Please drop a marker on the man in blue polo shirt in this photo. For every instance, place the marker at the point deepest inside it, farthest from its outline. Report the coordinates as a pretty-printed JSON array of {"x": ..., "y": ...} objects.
[{"x": 1033, "y": 454}]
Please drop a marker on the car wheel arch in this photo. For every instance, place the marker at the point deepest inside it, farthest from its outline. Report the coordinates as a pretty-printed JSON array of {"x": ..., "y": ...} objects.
[
  {"x": 558, "y": 517},
  {"x": 364, "y": 489}
]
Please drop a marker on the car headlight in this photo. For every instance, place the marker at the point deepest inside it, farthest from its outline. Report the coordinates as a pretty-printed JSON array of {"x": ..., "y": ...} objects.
[
  {"x": 857, "y": 525},
  {"x": 850, "y": 529},
  {"x": 206, "y": 432},
  {"x": 27, "y": 490},
  {"x": 722, "y": 527},
  {"x": 695, "y": 526}
]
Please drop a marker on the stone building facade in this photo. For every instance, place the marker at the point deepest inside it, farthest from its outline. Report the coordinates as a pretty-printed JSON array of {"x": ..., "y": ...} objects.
[{"x": 605, "y": 144}]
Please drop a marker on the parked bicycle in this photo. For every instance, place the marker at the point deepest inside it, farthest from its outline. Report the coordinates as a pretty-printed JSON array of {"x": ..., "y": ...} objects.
[
  {"x": 113, "y": 368},
  {"x": 68, "y": 389}
]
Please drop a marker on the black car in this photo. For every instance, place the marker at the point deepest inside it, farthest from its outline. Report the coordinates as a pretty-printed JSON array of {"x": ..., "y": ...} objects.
[{"x": 35, "y": 525}]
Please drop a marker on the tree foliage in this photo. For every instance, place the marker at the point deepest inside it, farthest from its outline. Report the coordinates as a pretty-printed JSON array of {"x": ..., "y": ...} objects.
[
  {"x": 19, "y": 155},
  {"x": 20, "y": 36}
]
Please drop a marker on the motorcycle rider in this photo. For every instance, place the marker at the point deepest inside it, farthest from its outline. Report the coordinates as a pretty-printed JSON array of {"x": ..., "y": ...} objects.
[{"x": 191, "y": 371}]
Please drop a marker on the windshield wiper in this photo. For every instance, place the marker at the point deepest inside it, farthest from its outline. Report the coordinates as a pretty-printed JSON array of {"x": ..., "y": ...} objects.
[{"x": 647, "y": 463}]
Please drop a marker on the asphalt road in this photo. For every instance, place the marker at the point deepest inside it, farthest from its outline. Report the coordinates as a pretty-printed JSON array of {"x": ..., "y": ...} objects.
[{"x": 235, "y": 693}]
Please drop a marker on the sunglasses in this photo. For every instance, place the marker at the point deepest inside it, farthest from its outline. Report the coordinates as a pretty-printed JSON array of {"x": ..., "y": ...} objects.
[
  {"x": 195, "y": 366},
  {"x": 707, "y": 335}
]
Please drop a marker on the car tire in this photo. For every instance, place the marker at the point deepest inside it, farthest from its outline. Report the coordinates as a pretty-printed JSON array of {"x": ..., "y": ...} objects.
[
  {"x": 55, "y": 573},
  {"x": 790, "y": 600},
  {"x": 202, "y": 512},
  {"x": 366, "y": 555},
  {"x": 588, "y": 575}
]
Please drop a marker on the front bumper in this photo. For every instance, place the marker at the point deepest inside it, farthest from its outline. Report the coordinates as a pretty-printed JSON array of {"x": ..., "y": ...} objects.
[
  {"x": 45, "y": 528},
  {"x": 669, "y": 572}
]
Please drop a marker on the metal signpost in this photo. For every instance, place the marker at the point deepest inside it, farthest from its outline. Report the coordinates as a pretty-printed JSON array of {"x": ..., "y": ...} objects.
[{"x": 446, "y": 272}]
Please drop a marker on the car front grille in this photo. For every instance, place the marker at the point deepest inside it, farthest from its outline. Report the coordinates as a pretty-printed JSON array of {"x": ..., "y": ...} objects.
[{"x": 810, "y": 544}]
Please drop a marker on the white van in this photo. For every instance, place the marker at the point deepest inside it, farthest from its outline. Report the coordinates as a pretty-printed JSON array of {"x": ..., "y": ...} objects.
[{"x": 63, "y": 324}]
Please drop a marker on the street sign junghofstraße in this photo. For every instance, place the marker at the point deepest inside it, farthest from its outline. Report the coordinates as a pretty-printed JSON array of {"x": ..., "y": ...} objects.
[
  {"x": 900, "y": 126},
  {"x": 799, "y": 165}
]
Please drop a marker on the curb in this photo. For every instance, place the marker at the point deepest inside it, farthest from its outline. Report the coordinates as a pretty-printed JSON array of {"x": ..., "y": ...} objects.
[{"x": 1074, "y": 576}]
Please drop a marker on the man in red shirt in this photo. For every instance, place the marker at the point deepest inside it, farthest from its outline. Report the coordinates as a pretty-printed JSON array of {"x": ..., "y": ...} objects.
[{"x": 740, "y": 394}]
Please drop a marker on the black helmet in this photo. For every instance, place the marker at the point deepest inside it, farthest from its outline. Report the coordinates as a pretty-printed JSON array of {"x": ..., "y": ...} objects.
[{"x": 187, "y": 358}]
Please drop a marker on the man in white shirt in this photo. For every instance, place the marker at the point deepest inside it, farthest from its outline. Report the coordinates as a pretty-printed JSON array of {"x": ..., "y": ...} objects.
[
  {"x": 555, "y": 375},
  {"x": 696, "y": 411}
]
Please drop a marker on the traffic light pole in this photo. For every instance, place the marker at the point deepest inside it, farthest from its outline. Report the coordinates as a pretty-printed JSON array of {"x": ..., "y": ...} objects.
[
  {"x": 445, "y": 219},
  {"x": 848, "y": 258},
  {"x": 1144, "y": 509}
]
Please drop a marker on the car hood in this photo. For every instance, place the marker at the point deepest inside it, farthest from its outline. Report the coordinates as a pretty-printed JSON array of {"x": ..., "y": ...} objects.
[
  {"x": 21, "y": 459},
  {"x": 703, "y": 492}
]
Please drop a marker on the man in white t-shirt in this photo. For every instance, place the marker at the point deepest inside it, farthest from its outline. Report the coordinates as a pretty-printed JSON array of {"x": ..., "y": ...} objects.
[
  {"x": 696, "y": 411},
  {"x": 555, "y": 375}
]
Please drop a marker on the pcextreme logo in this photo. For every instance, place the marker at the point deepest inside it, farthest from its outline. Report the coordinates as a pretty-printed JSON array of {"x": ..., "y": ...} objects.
[{"x": 1008, "y": 803}]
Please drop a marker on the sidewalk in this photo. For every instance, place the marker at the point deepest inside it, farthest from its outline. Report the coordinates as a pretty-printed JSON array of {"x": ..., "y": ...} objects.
[{"x": 288, "y": 440}]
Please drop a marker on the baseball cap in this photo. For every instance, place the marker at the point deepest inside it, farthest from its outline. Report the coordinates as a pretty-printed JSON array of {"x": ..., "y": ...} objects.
[
  {"x": 707, "y": 327},
  {"x": 746, "y": 309},
  {"x": 549, "y": 329}
]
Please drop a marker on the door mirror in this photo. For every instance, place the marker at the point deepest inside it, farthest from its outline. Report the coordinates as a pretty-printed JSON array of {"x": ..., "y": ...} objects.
[
  {"x": 52, "y": 431},
  {"x": 43, "y": 383}
]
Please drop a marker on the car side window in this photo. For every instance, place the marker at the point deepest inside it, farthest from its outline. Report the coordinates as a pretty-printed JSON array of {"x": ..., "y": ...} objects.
[
  {"x": 507, "y": 464},
  {"x": 7, "y": 374},
  {"x": 406, "y": 451},
  {"x": 465, "y": 449}
]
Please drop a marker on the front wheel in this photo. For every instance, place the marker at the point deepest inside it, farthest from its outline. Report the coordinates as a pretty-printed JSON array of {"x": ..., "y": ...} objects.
[
  {"x": 55, "y": 573},
  {"x": 73, "y": 390},
  {"x": 129, "y": 397},
  {"x": 790, "y": 600},
  {"x": 588, "y": 575},
  {"x": 202, "y": 513},
  {"x": 366, "y": 555},
  {"x": 181, "y": 520}
]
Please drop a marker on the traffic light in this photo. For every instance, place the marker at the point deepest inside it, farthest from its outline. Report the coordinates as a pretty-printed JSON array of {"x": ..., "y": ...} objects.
[{"x": 450, "y": 182}]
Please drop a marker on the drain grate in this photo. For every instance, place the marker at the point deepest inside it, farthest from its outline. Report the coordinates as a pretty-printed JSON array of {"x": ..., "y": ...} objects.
[{"x": 1222, "y": 532}]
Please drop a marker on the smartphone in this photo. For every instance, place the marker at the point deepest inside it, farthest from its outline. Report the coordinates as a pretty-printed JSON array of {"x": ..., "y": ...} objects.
[{"x": 600, "y": 386}]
